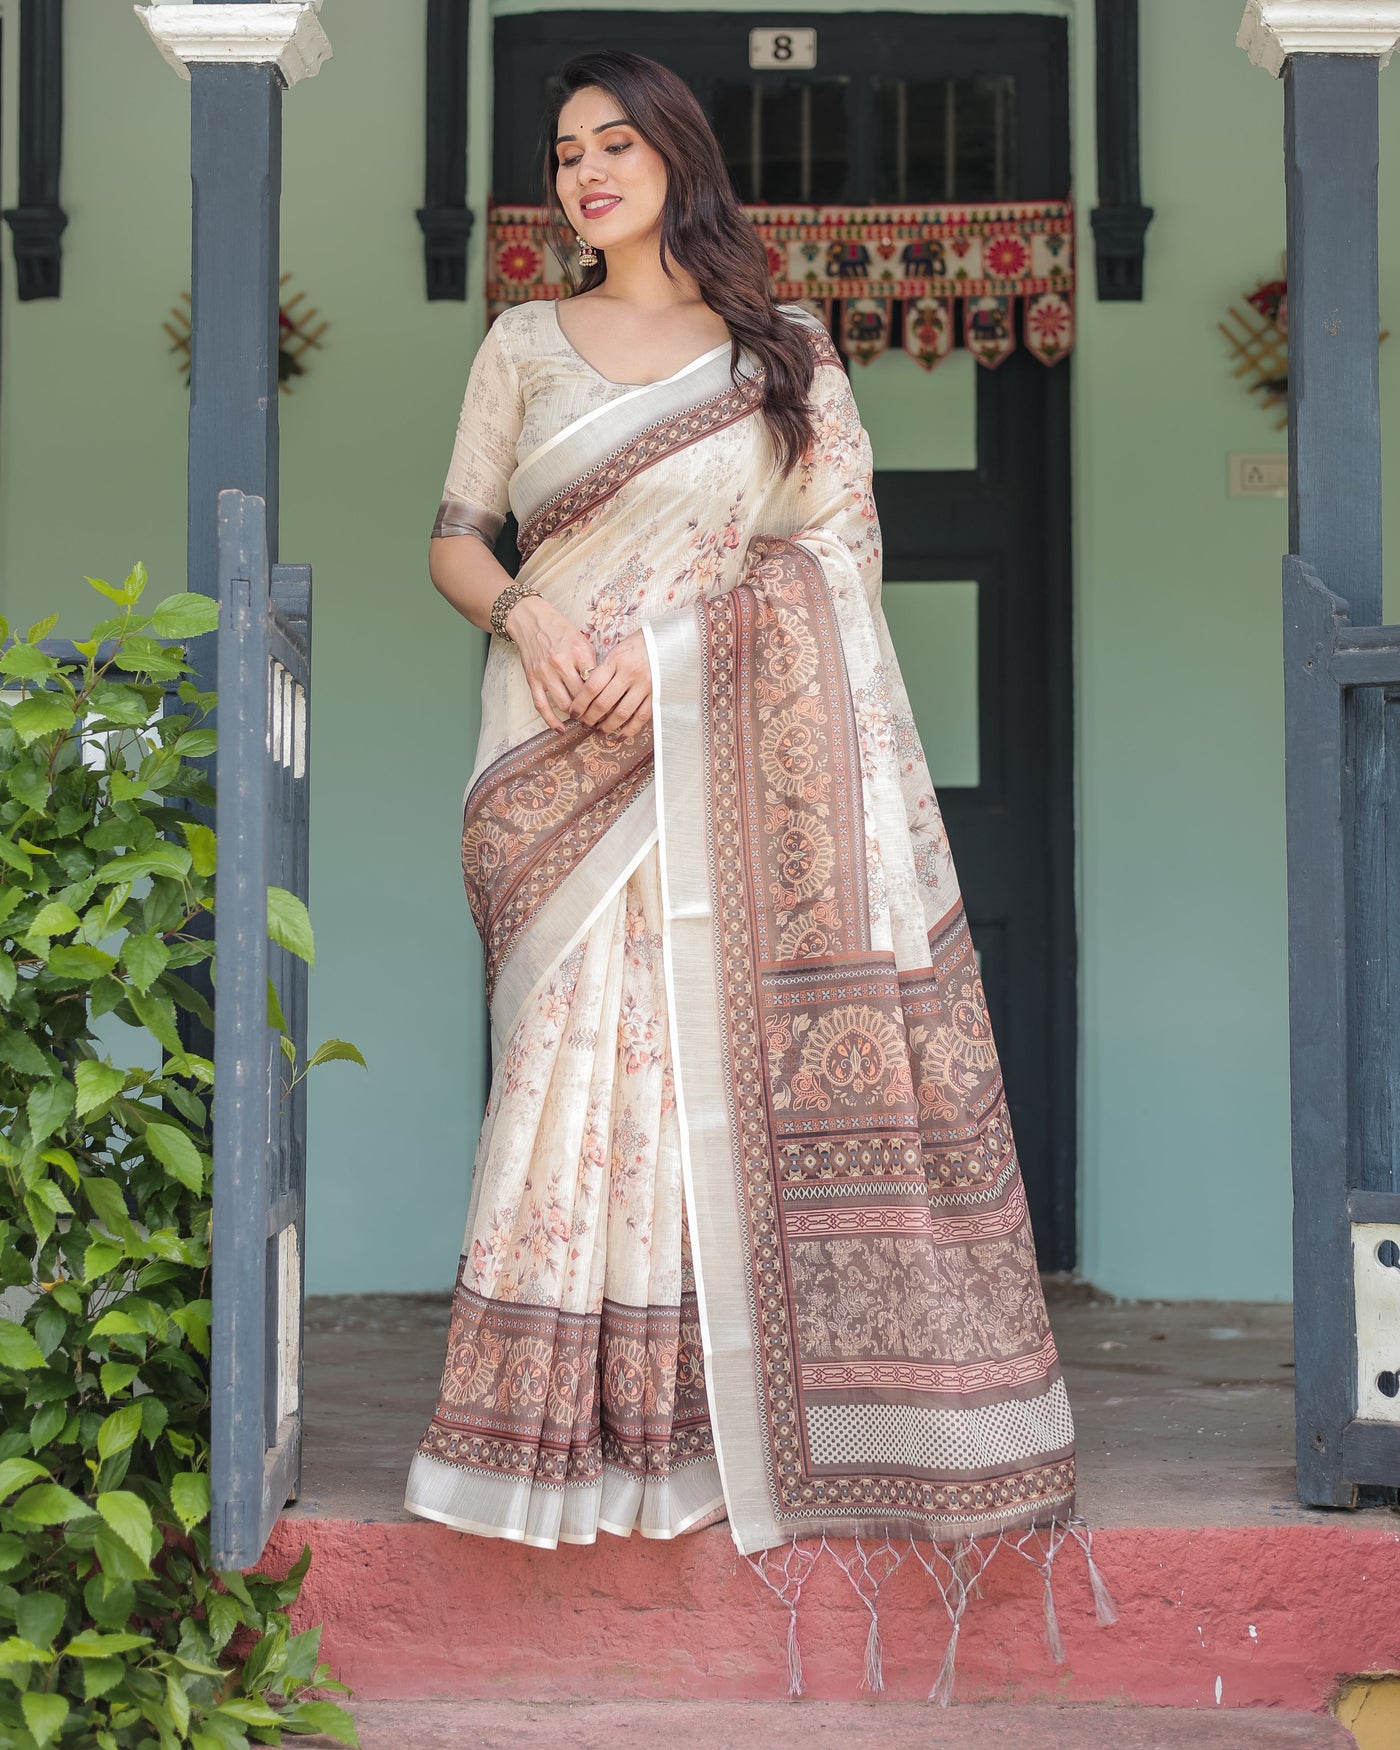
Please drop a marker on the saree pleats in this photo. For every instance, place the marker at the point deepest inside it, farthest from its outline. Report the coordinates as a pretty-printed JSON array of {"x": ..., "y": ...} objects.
[
  {"x": 573, "y": 1394},
  {"x": 748, "y": 1234}
]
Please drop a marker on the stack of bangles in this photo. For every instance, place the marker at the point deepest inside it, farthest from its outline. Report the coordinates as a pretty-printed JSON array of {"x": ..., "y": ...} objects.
[
  {"x": 504, "y": 602},
  {"x": 502, "y": 605}
]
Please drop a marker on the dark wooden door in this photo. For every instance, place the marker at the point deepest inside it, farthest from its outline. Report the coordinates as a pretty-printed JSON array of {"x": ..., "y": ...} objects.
[{"x": 905, "y": 108}]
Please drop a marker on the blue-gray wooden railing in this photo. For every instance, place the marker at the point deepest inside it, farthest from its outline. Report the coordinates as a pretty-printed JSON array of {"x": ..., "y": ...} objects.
[
  {"x": 264, "y": 716},
  {"x": 1341, "y": 680},
  {"x": 1342, "y": 704}
]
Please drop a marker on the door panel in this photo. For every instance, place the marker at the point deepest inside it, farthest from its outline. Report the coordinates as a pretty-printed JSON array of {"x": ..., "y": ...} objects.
[
  {"x": 916, "y": 420},
  {"x": 971, "y": 465},
  {"x": 940, "y": 622}
]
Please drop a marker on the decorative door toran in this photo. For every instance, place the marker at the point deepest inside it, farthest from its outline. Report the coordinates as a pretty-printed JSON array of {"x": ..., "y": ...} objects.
[{"x": 870, "y": 272}]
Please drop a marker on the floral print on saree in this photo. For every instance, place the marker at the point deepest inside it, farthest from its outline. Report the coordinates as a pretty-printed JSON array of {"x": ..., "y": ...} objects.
[{"x": 747, "y": 1151}]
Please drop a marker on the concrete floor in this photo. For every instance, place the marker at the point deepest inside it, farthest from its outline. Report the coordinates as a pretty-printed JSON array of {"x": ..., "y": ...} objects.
[
  {"x": 1184, "y": 1410},
  {"x": 873, "y": 1725}
]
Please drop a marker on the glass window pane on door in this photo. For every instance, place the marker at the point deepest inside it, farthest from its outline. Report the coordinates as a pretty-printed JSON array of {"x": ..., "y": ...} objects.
[
  {"x": 784, "y": 139},
  {"x": 945, "y": 139},
  {"x": 917, "y": 419},
  {"x": 934, "y": 628}
]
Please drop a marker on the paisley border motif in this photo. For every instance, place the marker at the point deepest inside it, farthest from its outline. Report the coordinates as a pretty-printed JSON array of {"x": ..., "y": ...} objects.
[
  {"x": 554, "y": 1396},
  {"x": 868, "y": 1105},
  {"x": 533, "y": 816}
]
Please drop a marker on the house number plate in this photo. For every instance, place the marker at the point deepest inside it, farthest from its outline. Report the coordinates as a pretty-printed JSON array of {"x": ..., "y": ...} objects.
[{"x": 796, "y": 49}]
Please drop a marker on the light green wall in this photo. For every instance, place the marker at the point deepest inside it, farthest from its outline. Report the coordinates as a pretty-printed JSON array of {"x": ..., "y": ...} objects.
[
  {"x": 1184, "y": 1096},
  {"x": 92, "y": 475},
  {"x": 1185, "y": 1186}
]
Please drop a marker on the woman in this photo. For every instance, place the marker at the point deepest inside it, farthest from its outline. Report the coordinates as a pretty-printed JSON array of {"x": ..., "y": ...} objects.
[{"x": 747, "y": 1232}]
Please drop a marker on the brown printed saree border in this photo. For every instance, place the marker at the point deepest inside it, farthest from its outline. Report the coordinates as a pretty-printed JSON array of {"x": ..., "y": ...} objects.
[
  {"x": 534, "y": 1392},
  {"x": 962, "y": 1380},
  {"x": 909, "y": 1217},
  {"x": 531, "y": 818},
  {"x": 654, "y": 443},
  {"x": 830, "y": 1050},
  {"x": 798, "y": 746},
  {"x": 964, "y": 1121},
  {"x": 608, "y": 476}
]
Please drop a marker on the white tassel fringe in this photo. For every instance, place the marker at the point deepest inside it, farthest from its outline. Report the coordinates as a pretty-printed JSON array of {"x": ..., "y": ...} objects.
[
  {"x": 873, "y": 1676},
  {"x": 1105, "y": 1611},
  {"x": 942, "y": 1691},
  {"x": 956, "y": 1573},
  {"x": 794, "y": 1653},
  {"x": 1053, "y": 1638}
]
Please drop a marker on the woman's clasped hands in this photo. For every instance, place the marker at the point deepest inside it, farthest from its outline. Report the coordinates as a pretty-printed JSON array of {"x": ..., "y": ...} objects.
[
  {"x": 569, "y": 684},
  {"x": 616, "y": 695}
]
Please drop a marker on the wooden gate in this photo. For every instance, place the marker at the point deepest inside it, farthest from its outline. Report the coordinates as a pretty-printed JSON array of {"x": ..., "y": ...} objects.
[
  {"x": 1343, "y": 762},
  {"x": 264, "y": 687}
]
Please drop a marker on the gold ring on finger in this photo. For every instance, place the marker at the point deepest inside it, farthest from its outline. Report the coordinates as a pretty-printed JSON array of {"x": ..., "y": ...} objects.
[{"x": 584, "y": 673}]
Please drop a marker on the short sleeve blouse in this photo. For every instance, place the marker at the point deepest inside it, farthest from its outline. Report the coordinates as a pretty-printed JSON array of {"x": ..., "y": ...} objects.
[
  {"x": 475, "y": 496},
  {"x": 526, "y": 385}
]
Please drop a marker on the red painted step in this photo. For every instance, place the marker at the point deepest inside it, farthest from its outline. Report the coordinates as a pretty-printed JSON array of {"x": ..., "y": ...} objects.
[
  {"x": 416, "y": 1725},
  {"x": 1239, "y": 1617}
]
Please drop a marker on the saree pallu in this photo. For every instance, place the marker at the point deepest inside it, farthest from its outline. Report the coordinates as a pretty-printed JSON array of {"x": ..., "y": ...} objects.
[{"x": 748, "y": 1234}]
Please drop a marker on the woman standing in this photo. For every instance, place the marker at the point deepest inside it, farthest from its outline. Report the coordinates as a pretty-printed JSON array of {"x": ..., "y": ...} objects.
[{"x": 747, "y": 1234}]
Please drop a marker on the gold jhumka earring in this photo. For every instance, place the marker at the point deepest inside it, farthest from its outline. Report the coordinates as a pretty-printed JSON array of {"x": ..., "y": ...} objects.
[{"x": 587, "y": 254}]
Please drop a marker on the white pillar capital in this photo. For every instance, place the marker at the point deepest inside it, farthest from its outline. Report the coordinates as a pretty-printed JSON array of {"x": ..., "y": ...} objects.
[
  {"x": 1272, "y": 30},
  {"x": 284, "y": 33}
]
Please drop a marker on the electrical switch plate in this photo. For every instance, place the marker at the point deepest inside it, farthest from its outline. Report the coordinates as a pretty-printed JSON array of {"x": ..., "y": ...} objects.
[
  {"x": 1376, "y": 1280},
  {"x": 1258, "y": 476}
]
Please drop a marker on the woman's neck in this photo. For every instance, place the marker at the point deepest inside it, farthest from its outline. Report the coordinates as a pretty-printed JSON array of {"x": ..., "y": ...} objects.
[{"x": 636, "y": 276}]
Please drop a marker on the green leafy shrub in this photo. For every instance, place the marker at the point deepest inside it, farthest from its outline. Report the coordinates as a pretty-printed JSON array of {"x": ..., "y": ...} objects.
[{"x": 114, "y": 1632}]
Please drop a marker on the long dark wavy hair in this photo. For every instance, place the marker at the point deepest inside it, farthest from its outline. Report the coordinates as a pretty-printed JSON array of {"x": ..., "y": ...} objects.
[{"x": 703, "y": 229}]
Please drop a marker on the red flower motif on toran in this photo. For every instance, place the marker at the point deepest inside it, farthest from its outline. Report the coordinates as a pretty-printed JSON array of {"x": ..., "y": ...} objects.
[
  {"x": 1050, "y": 323},
  {"x": 1006, "y": 258},
  {"x": 518, "y": 262},
  {"x": 777, "y": 262}
]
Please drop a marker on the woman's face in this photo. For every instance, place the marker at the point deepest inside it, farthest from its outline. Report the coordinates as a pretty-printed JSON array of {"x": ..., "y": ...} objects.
[{"x": 611, "y": 183}]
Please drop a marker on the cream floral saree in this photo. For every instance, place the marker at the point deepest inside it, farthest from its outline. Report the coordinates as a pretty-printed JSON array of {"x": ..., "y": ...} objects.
[{"x": 747, "y": 1231}]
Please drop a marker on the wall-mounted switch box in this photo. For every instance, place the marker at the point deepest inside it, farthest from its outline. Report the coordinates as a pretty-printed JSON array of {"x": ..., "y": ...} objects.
[{"x": 1258, "y": 476}]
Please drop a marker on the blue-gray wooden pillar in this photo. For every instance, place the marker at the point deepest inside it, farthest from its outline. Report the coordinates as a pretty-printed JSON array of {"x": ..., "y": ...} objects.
[
  {"x": 236, "y": 177},
  {"x": 235, "y": 167},
  {"x": 236, "y": 184},
  {"x": 259, "y": 664},
  {"x": 1338, "y": 976},
  {"x": 1331, "y": 155},
  {"x": 236, "y": 190}
]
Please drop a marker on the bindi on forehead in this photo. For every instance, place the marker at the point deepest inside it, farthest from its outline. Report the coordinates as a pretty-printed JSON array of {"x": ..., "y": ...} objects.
[
  {"x": 605, "y": 128},
  {"x": 593, "y": 113}
]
